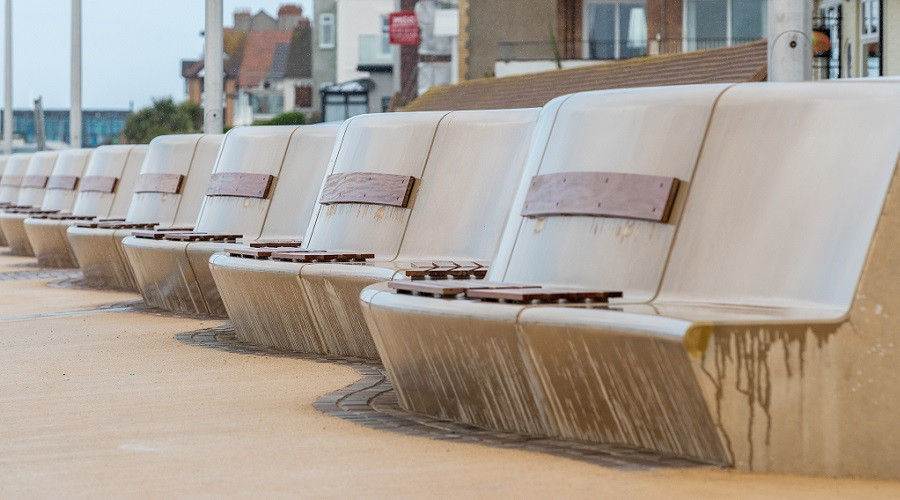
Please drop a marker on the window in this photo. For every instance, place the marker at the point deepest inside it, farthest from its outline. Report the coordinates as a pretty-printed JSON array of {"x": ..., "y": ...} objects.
[
  {"x": 386, "y": 35},
  {"x": 616, "y": 30},
  {"x": 870, "y": 37},
  {"x": 716, "y": 23},
  {"x": 339, "y": 106},
  {"x": 302, "y": 96},
  {"x": 326, "y": 31},
  {"x": 827, "y": 65}
]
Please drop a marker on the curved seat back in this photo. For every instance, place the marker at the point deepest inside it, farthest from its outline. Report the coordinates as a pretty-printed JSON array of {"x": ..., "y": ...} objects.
[
  {"x": 393, "y": 143},
  {"x": 625, "y": 133},
  {"x": 34, "y": 182},
  {"x": 297, "y": 188},
  {"x": 101, "y": 179},
  {"x": 258, "y": 154},
  {"x": 787, "y": 196},
  {"x": 159, "y": 186},
  {"x": 12, "y": 177},
  {"x": 466, "y": 191},
  {"x": 63, "y": 183},
  {"x": 197, "y": 179}
]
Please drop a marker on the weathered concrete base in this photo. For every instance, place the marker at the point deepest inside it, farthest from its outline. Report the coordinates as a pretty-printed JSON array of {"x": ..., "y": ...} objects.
[
  {"x": 472, "y": 369},
  {"x": 49, "y": 242},
  {"x": 311, "y": 308},
  {"x": 157, "y": 266},
  {"x": 12, "y": 226},
  {"x": 101, "y": 257}
]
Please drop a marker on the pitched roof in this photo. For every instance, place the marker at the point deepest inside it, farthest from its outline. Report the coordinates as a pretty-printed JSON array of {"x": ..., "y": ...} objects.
[
  {"x": 279, "y": 62},
  {"x": 730, "y": 64},
  {"x": 257, "y": 55}
]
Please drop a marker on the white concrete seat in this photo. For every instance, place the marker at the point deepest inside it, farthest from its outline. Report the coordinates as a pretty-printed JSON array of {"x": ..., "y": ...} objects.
[
  {"x": 31, "y": 195},
  {"x": 104, "y": 192},
  {"x": 15, "y": 166},
  {"x": 435, "y": 348},
  {"x": 174, "y": 275},
  {"x": 765, "y": 343},
  {"x": 168, "y": 194},
  {"x": 456, "y": 212}
]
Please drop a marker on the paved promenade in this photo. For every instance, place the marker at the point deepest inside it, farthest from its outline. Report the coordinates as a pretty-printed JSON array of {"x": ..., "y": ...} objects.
[{"x": 101, "y": 398}]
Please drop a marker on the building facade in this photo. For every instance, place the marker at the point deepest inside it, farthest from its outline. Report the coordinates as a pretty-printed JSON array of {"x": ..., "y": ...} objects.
[{"x": 99, "y": 127}]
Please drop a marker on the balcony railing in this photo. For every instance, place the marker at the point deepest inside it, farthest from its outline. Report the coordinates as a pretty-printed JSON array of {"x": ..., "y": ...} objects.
[
  {"x": 375, "y": 51},
  {"x": 607, "y": 49}
]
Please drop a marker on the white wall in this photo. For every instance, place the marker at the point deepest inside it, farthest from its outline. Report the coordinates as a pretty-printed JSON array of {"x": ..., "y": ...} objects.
[{"x": 354, "y": 18}]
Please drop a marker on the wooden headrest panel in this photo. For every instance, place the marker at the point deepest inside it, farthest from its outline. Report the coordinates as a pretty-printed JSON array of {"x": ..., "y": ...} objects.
[
  {"x": 67, "y": 182},
  {"x": 34, "y": 181},
  {"x": 367, "y": 187},
  {"x": 606, "y": 194},
  {"x": 240, "y": 184},
  {"x": 99, "y": 183},
  {"x": 11, "y": 180},
  {"x": 159, "y": 183}
]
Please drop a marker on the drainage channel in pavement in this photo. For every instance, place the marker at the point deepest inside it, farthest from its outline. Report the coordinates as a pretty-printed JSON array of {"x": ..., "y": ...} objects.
[{"x": 372, "y": 402}]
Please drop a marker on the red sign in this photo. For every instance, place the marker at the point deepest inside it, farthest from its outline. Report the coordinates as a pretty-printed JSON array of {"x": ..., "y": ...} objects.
[{"x": 404, "y": 28}]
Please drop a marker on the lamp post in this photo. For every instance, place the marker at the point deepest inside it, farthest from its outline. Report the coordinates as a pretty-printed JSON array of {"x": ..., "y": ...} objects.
[
  {"x": 75, "y": 111},
  {"x": 213, "y": 68},
  {"x": 8, "y": 111},
  {"x": 790, "y": 40}
]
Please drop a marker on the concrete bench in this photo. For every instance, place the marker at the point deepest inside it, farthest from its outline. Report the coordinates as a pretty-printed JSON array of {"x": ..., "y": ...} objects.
[
  {"x": 766, "y": 343},
  {"x": 167, "y": 195},
  {"x": 307, "y": 299},
  {"x": 31, "y": 196},
  {"x": 11, "y": 180},
  {"x": 436, "y": 347},
  {"x": 260, "y": 171},
  {"x": 104, "y": 192}
]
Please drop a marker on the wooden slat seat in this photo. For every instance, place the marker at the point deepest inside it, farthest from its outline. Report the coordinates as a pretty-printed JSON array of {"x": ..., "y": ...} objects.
[
  {"x": 156, "y": 234},
  {"x": 193, "y": 236},
  {"x": 442, "y": 269},
  {"x": 128, "y": 225},
  {"x": 537, "y": 294},
  {"x": 69, "y": 217},
  {"x": 307, "y": 256},
  {"x": 275, "y": 243},
  {"x": 447, "y": 288}
]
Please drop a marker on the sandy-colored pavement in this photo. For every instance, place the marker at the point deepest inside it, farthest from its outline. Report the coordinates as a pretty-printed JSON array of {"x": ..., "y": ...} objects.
[{"x": 110, "y": 404}]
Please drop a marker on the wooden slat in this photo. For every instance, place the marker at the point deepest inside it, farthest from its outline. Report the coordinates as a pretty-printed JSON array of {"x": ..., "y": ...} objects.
[
  {"x": 67, "y": 182},
  {"x": 307, "y": 256},
  {"x": 128, "y": 225},
  {"x": 240, "y": 184},
  {"x": 607, "y": 194},
  {"x": 539, "y": 294},
  {"x": 251, "y": 252},
  {"x": 11, "y": 180},
  {"x": 157, "y": 234},
  {"x": 159, "y": 183},
  {"x": 367, "y": 187},
  {"x": 69, "y": 217},
  {"x": 98, "y": 183},
  {"x": 189, "y": 236},
  {"x": 34, "y": 181},
  {"x": 446, "y": 288},
  {"x": 275, "y": 243}
]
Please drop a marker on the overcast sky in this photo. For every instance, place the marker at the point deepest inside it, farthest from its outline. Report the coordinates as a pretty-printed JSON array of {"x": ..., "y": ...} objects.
[{"x": 132, "y": 49}]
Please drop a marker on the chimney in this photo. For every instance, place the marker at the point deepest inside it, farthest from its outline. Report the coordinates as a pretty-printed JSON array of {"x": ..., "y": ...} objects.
[
  {"x": 289, "y": 16},
  {"x": 242, "y": 20}
]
